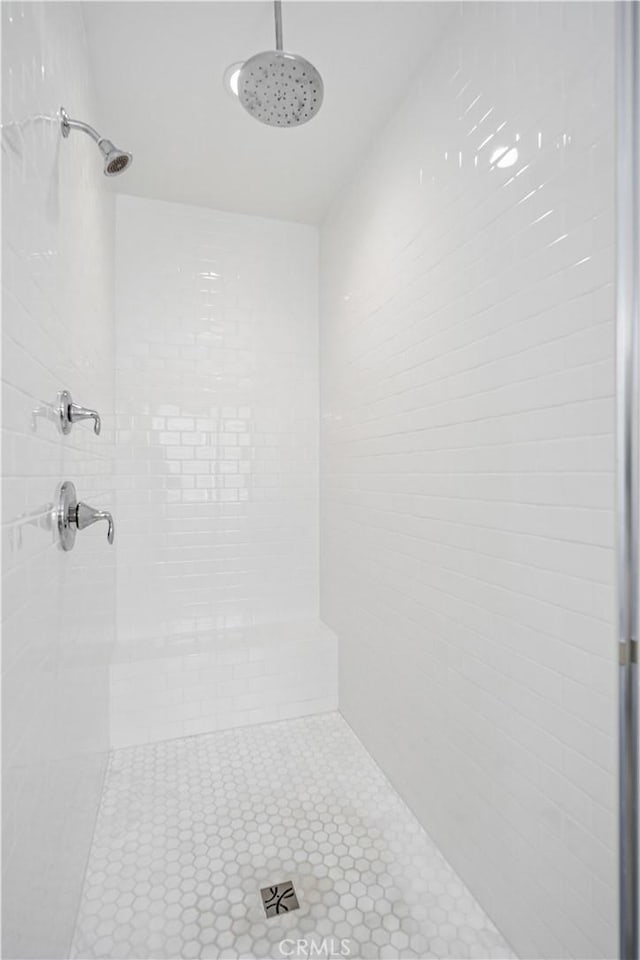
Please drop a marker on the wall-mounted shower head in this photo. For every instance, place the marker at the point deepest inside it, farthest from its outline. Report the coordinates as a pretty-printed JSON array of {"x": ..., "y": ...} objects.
[
  {"x": 115, "y": 161},
  {"x": 280, "y": 89}
]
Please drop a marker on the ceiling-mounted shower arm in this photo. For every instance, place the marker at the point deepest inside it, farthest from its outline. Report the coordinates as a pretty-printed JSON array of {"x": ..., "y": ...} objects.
[{"x": 277, "y": 12}]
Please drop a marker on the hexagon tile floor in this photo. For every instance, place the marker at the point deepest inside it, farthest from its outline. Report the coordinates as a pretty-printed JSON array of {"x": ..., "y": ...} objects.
[{"x": 190, "y": 830}]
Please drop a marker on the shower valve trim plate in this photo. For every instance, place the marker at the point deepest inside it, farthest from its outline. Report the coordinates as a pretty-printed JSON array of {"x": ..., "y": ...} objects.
[
  {"x": 73, "y": 515},
  {"x": 71, "y": 412}
]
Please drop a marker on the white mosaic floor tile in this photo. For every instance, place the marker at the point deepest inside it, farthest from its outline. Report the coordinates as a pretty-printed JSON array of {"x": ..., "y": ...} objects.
[{"x": 190, "y": 830}]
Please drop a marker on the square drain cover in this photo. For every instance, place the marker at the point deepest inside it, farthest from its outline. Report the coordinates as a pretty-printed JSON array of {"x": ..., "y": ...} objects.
[{"x": 280, "y": 898}]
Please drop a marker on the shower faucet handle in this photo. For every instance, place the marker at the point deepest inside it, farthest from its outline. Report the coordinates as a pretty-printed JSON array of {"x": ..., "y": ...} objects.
[
  {"x": 73, "y": 515},
  {"x": 86, "y": 515},
  {"x": 71, "y": 412}
]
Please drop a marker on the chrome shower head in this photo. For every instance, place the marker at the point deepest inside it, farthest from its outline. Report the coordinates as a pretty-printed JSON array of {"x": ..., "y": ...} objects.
[
  {"x": 280, "y": 89},
  {"x": 115, "y": 161}
]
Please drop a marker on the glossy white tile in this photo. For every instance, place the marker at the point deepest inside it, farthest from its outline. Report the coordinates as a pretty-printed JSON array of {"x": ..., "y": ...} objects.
[
  {"x": 174, "y": 687},
  {"x": 467, "y": 460},
  {"x": 58, "y": 609},
  {"x": 217, "y": 419}
]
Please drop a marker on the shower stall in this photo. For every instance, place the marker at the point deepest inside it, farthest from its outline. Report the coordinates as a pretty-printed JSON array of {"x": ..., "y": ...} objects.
[{"x": 319, "y": 491}]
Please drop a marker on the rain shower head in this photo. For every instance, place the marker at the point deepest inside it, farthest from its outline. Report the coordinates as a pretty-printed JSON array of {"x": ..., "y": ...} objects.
[
  {"x": 115, "y": 161},
  {"x": 280, "y": 89}
]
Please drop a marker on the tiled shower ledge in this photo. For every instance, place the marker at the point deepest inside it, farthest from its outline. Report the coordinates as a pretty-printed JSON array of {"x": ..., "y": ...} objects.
[
  {"x": 183, "y": 685},
  {"x": 190, "y": 830}
]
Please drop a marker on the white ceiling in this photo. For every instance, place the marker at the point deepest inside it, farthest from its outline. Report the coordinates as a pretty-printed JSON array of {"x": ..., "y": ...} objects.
[{"x": 158, "y": 71}]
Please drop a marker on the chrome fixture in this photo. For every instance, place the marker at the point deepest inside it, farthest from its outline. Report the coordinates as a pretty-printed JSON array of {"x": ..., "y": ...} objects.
[
  {"x": 73, "y": 515},
  {"x": 627, "y": 474},
  {"x": 115, "y": 161},
  {"x": 70, "y": 412},
  {"x": 280, "y": 89}
]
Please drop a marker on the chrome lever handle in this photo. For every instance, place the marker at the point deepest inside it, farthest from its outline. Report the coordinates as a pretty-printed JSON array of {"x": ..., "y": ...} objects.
[
  {"x": 73, "y": 515},
  {"x": 70, "y": 412},
  {"x": 86, "y": 515},
  {"x": 76, "y": 412}
]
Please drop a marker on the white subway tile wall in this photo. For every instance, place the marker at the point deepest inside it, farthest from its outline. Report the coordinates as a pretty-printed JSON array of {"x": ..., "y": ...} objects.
[
  {"x": 467, "y": 491},
  {"x": 58, "y": 608},
  {"x": 217, "y": 473},
  {"x": 168, "y": 688},
  {"x": 217, "y": 419}
]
